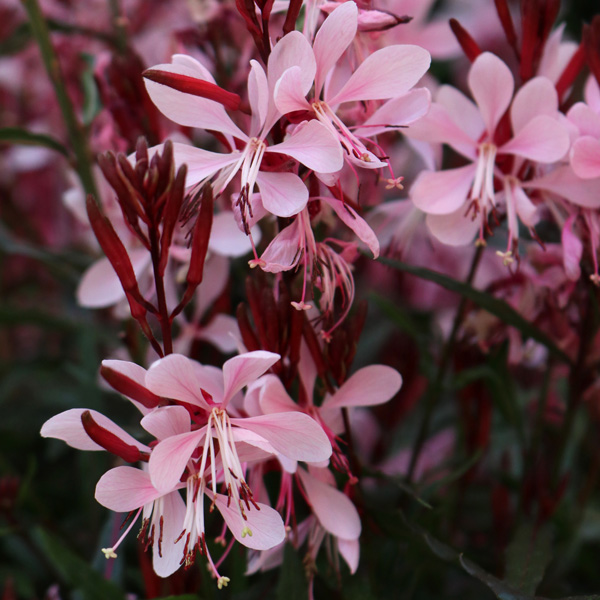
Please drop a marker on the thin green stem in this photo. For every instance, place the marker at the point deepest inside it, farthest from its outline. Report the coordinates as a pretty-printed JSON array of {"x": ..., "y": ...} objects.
[
  {"x": 435, "y": 390},
  {"x": 75, "y": 130}
]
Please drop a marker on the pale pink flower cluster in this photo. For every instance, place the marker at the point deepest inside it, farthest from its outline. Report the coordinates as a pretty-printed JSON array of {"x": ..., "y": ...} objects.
[{"x": 210, "y": 440}]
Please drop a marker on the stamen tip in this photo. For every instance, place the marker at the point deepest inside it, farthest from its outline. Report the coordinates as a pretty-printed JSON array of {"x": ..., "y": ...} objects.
[{"x": 109, "y": 553}]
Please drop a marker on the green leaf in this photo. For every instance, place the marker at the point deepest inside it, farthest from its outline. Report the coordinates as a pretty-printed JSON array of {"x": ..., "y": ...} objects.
[
  {"x": 293, "y": 584},
  {"x": 75, "y": 571},
  {"x": 399, "y": 483},
  {"x": 15, "y": 135},
  {"x": 494, "y": 306},
  {"x": 527, "y": 557},
  {"x": 458, "y": 472}
]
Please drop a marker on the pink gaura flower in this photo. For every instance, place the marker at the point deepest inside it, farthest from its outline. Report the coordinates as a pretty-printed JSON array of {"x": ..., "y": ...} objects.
[
  {"x": 459, "y": 201},
  {"x": 390, "y": 72},
  {"x": 282, "y": 193},
  {"x": 585, "y": 152}
]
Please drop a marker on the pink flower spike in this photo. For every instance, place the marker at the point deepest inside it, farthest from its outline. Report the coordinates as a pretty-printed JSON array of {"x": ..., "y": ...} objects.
[
  {"x": 263, "y": 528},
  {"x": 333, "y": 509},
  {"x": 241, "y": 370},
  {"x": 369, "y": 386},
  {"x": 492, "y": 86},
  {"x": 293, "y": 434}
]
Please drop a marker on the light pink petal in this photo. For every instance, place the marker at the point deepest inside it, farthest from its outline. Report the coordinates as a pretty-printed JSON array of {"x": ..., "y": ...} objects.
[
  {"x": 397, "y": 112},
  {"x": 176, "y": 376},
  {"x": 292, "y": 50},
  {"x": 187, "y": 109},
  {"x": 127, "y": 368},
  {"x": 125, "y": 488},
  {"x": 526, "y": 209},
  {"x": 67, "y": 426},
  {"x": 314, "y": 146},
  {"x": 200, "y": 163},
  {"x": 353, "y": 220},
  {"x": 265, "y": 524},
  {"x": 542, "y": 139},
  {"x": 288, "y": 92},
  {"x": 332, "y": 39},
  {"x": 282, "y": 194},
  {"x": 462, "y": 110},
  {"x": 166, "y": 421},
  {"x": 258, "y": 95},
  {"x": 226, "y": 239},
  {"x": 386, "y": 73},
  {"x": 585, "y": 157},
  {"x": 169, "y": 458},
  {"x": 537, "y": 97},
  {"x": 350, "y": 551},
  {"x": 241, "y": 370},
  {"x": 572, "y": 250},
  {"x": 438, "y": 127},
  {"x": 283, "y": 252},
  {"x": 273, "y": 397},
  {"x": 369, "y": 386},
  {"x": 442, "y": 192},
  {"x": 166, "y": 558},
  {"x": 585, "y": 119},
  {"x": 454, "y": 229},
  {"x": 492, "y": 86},
  {"x": 100, "y": 287},
  {"x": 293, "y": 434},
  {"x": 563, "y": 182},
  {"x": 307, "y": 370},
  {"x": 333, "y": 509},
  {"x": 223, "y": 332}
]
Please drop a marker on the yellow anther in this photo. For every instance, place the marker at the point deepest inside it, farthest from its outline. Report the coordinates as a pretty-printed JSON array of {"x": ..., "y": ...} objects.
[
  {"x": 246, "y": 531},
  {"x": 222, "y": 582},
  {"x": 109, "y": 553}
]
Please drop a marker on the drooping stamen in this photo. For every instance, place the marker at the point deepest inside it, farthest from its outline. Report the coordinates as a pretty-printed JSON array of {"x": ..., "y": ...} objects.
[{"x": 110, "y": 552}]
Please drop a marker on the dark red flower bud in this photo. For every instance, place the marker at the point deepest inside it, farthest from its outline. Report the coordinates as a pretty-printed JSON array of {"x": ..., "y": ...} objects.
[
  {"x": 506, "y": 22},
  {"x": 110, "y": 442},
  {"x": 467, "y": 43},
  {"x": 194, "y": 86},
  {"x": 591, "y": 42},
  {"x": 112, "y": 246},
  {"x": 130, "y": 388}
]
